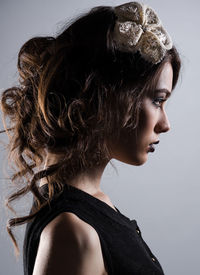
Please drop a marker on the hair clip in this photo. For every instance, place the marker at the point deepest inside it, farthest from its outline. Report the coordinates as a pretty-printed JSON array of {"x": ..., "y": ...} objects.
[{"x": 138, "y": 28}]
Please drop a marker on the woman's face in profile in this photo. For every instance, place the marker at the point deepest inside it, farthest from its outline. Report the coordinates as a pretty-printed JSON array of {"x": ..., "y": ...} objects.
[{"x": 133, "y": 148}]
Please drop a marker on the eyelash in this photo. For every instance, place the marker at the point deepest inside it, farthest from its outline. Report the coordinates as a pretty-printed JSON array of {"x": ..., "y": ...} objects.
[{"x": 159, "y": 99}]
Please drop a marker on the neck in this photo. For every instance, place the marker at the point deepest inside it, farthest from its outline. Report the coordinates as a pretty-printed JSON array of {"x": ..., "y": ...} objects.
[{"x": 88, "y": 181}]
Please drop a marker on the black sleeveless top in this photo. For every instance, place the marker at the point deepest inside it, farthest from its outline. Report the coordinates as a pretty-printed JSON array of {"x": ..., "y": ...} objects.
[{"x": 123, "y": 248}]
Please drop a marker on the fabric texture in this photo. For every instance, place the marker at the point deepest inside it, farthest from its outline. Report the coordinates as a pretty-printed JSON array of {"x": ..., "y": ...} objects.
[
  {"x": 138, "y": 28},
  {"x": 123, "y": 248}
]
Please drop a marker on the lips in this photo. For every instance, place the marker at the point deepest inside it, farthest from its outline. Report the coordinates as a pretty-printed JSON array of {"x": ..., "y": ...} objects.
[
  {"x": 151, "y": 147},
  {"x": 156, "y": 142}
]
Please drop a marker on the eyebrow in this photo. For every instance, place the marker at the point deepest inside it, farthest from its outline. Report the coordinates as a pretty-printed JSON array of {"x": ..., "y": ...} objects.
[{"x": 167, "y": 92}]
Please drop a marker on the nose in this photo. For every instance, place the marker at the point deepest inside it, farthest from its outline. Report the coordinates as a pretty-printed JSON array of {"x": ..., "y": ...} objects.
[{"x": 163, "y": 124}]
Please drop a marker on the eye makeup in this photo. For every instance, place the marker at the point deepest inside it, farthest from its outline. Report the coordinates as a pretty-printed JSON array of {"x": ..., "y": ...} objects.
[
  {"x": 159, "y": 100},
  {"x": 165, "y": 91}
]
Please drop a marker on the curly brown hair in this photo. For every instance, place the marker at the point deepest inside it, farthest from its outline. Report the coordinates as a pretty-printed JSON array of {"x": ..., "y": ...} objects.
[{"x": 76, "y": 90}]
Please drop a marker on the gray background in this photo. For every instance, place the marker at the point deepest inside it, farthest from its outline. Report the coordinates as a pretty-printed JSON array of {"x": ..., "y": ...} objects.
[{"x": 163, "y": 194}]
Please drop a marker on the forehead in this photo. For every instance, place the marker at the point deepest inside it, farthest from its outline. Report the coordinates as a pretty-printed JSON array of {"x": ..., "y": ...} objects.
[{"x": 165, "y": 78}]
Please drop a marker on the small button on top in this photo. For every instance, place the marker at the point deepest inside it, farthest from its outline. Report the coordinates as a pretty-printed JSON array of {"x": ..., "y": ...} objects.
[
  {"x": 153, "y": 259},
  {"x": 138, "y": 231}
]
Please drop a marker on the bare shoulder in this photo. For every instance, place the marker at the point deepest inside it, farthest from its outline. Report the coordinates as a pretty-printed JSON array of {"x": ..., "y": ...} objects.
[
  {"x": 68, "y": 224},
  {"x": 68, "y": 245}
]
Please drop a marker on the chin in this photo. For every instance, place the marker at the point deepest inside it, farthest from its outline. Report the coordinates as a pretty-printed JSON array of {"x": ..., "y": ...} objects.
[
  {"x": 139, "y": 161},
  {"x": 136, "y": 162}
]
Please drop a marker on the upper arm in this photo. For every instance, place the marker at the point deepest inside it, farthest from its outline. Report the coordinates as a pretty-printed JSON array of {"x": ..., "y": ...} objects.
[{"x": 69, "y": 246}]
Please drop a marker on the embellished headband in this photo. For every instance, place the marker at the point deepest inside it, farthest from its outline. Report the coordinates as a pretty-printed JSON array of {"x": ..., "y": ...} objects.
[{"x": 138, "y": 28}]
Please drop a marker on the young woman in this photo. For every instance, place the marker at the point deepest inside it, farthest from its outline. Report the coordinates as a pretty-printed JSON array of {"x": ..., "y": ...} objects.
[{"x": 94, "y": 92}]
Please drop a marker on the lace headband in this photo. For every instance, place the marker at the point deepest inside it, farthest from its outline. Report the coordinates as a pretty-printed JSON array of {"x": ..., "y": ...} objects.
[{"x": 138, "y": 28}]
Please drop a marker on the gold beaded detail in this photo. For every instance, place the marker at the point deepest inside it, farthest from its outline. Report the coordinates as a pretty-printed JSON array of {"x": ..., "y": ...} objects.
[{"x": 138, "y": 28}]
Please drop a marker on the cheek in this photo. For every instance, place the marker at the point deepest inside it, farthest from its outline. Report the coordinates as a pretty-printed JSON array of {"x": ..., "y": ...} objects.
[{"x": 147, "y": 119}]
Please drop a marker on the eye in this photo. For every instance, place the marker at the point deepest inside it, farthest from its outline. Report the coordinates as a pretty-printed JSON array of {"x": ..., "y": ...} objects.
[{"x": 157, "y": 101}]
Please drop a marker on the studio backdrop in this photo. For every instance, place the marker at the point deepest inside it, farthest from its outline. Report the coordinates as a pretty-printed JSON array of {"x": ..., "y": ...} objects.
[{"x": 163, "y": 195}]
